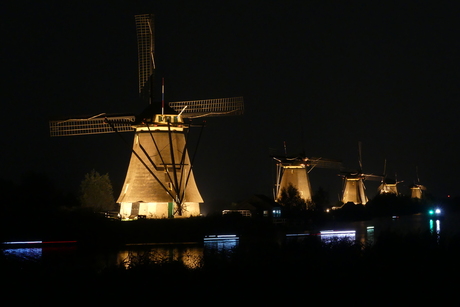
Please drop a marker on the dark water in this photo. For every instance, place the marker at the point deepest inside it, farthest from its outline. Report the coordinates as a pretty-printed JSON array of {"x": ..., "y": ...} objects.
[
  {"x": 369, "y": 231},
  {"x": 192, "y": 255}
]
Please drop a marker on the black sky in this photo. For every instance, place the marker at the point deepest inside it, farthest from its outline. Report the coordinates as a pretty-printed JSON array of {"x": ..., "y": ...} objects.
[{"x": 320, "y": 75}]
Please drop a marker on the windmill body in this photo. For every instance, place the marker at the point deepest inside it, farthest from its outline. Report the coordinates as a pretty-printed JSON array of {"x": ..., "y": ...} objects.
[
  {"x": 294, "y": 173},
  {"x": 162, "y": 147},
  {"x": 388, "y": 185},
  {"x": 416, "y": 191},
  {"x": 159, "y": 182},
  {"x": 354, "y": 190}
]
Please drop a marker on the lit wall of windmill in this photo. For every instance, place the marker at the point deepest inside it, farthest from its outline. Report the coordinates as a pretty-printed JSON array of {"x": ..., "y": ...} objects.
[
  {"x": 388, "y": 185},
  {"x": 295, "y": 171},
  {"x": 292, "y": 171},
  {"x": 354, "y": 190},
  {"x": 417, "y": 189},
  {"x": 159, "y": 181}
]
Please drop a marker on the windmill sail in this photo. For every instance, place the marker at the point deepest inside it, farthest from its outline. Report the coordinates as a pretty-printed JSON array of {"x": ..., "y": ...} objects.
[
  {"x": 209, "y": 107},
  {"x": 417, "y": 189},
  {"x": 97, "y": 124},
  {"x": 146, "y": 50},
  {"x": 324, "y": 163}
]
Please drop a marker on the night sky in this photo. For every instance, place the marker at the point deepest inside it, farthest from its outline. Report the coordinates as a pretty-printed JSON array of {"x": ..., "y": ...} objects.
[{"x": 318, "y": 75}]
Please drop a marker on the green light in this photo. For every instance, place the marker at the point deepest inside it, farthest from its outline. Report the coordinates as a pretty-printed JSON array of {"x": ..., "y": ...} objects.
[{"x": 431, "y": 212}]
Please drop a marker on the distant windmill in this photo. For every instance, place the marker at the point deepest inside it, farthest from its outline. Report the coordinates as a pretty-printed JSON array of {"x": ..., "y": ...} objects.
[
  {"x": 416, "y": 190},
  {"x": 354, "y": 189},
  {"x": 388, "y": 185},
  {"x": 159, "y": 181},
  {"x": 294, "y": 171}
]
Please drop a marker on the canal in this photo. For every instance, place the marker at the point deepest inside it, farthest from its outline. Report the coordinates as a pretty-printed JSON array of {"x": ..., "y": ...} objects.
[{"x": 192, "y": 254}]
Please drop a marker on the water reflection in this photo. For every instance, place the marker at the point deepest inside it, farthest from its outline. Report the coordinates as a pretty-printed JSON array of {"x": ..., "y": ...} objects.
[
  {"x": 25, "y": 253},
  {"x": 329, "y": 236},
  {"x": 365, "y": 232},
  {"x": 435, "y": 228},
  {"x": 190, "y": 256},
  {"x": 221, "y": 245}
]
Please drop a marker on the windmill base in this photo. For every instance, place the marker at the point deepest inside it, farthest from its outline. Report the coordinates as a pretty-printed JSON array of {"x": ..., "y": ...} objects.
[{"x": 133, "y": 211}]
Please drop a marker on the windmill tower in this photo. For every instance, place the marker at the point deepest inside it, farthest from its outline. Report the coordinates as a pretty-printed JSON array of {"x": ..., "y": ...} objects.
[
  {"x": 295, "y": 171},
  {"x": 354, "y": 189},
  {"x": 416, "y": 190},
  {"x": 159, "y": 181},
  {"x": 388, "y": 185}
]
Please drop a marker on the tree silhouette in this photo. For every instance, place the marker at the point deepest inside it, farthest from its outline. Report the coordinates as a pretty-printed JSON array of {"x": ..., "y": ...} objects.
[
  {"x": 96, "y": 192},
  {"x": 291, "y": 200},
  {"x": 321, "y": 199}
]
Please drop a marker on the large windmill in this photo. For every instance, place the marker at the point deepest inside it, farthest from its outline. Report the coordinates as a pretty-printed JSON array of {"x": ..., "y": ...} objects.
[
  {"x": 354, "y": 190},
  {"x": 159, "y": 181},
  {"x": 295, "y": 171}
]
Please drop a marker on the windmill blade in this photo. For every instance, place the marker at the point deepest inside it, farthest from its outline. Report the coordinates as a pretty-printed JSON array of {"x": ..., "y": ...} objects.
[
  {"x": 96, "y": 124},
  {"x": 146, "y": 49},
  {"x": 373, "y": 177},
  {"x": 209, "y": 107},
  {"x": 416, "y": 171},
  {"x": 325, "y": 163}
]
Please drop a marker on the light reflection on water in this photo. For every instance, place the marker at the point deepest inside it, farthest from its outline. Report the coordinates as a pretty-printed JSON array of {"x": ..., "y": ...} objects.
[
  {"x": 221, "y": 245},
  {"x": 329, "y": 236},
  {"x": 365, "y": 232},
  {"x": 191, "y": 255},
  {"x": 25, "y": 253}
]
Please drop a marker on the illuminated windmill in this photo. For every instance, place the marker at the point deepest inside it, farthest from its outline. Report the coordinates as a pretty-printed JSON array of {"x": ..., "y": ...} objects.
[
  {"x": 388, "y": 185},
  {"x": 294, "y": 171},
  {"x": 159, "y": 181},
  {"x": 354, "y": 189},
  {"x": 416, "y": 190}
]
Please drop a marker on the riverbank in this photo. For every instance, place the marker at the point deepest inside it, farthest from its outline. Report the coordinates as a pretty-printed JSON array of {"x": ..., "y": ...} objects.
[
  {"x": 91, "y": 229},
  {"x": 96, "y": 230}
]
